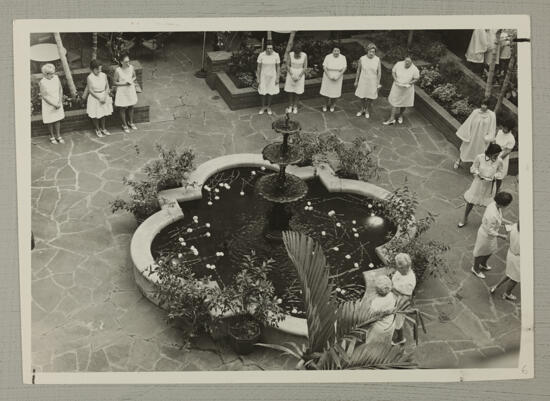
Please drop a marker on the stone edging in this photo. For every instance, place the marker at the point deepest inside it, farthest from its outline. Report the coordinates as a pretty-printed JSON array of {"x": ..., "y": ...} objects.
[{"x": 140, "y": 246}]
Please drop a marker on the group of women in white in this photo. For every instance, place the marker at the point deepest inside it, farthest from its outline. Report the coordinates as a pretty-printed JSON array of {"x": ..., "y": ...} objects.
[
  {"x": 99, "y": 103},
  {"x": 489, "y": 152},
  {"x": 367, "y": 80}
]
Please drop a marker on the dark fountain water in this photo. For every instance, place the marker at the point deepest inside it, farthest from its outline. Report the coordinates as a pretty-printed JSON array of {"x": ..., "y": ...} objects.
[{"x": 244, "y": 210}]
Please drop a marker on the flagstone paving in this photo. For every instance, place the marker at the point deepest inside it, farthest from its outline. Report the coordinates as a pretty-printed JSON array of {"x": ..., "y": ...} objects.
[{"x": 88, "y": 315}]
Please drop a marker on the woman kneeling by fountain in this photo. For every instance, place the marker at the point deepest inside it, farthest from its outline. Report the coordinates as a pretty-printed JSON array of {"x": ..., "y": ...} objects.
[
  {"x": 404, "y": 283},
  {"x": 384, "y": 303}
]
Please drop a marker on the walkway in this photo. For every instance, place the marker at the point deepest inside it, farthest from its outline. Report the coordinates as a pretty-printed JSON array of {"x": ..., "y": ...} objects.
[{"x": 87, "y": 314}]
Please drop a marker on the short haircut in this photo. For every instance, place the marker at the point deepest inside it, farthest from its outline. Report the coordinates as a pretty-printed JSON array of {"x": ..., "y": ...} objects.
[
  {"x": 403, "y": 259},
  {"x": 297, "y": 48},
  {"x": 503, "y": 198},
  {"x": 371, "y": 46},
  {"x": 123, "y": 56},
  {"x": 48, "y": 68},
  {"x": 383, "y": 285},
  {"x": 492, "y": 149},
  {"x": 484, "y": 101},
  {"x": 94, "y": 64}
]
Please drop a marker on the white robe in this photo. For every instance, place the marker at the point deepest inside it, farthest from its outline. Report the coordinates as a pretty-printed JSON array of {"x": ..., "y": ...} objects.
[
  {"x": 477, "y": 47},
  {"x": 476, "y": 132}
]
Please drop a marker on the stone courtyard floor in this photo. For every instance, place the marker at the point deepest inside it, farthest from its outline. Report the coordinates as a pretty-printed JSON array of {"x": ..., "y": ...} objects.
[{"x": 88, "y": 315}]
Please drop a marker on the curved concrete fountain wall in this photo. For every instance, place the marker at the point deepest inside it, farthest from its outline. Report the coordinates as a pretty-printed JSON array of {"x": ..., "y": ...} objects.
[{"x": 140, "y": 247}]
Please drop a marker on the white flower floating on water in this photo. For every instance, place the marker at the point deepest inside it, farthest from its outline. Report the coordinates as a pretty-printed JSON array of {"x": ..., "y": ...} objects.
[
  {"x": 227, "y": 186},
  {"x": 336, "y": 249},
  {"x": 207, "y": 188},
  {"x": 216, "y": 190},
  {"x": 216, "y": 197},
  {"x": 189, "y": 230},
  {"x": 372, "y": 214},
  {"x": 294, "y": 310},
  {"x": 371, "y": 264},
  {"x": 356, "y": 235},
  {"x": 323, "y": 233},
  {"x": 306, "y": 208},
  {"x": 343, "y": 292},
  {"x": 195, "y": 251},
  {"x": 180, "y": 239},
  {"x": 180, "y": 255},
  {"x": 210, "y": 203},
  {"x": 369, "y": 206},
  {"x": 222, "y": 184},
  {"x": 219, "y": 254},
  {"x": 354, "y": 229},
  {"x": 338, "y": 289},
  {"x": 279, "y": 301},
  {"x": 309, "y": 203},
  {"x": 242, "y": 193},
  {"x": 356, "y": 264},
  {"x": 348, "y": 256},
  {"x": 338, "y": 224},
  {"x": 253, "y": 172},
  {"x": 207, "y": 235},
  {"x": 262, "y": 168},
  {"x": 207, "y": 225},
  {"x": 331, "y": 213}
]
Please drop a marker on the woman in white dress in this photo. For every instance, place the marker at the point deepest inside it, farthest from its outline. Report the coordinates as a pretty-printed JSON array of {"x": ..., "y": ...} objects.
[
  {"x": 488, "y": 232},
  {"x": 295, "y": 77},
  {"x": 51, "y": 93},
  {"x": 405, "y": 74},
  {"x": 367, "y": 80},
  {"x": 382, "y": 330},
  {"x": 268, "y": 76},
  {"x": 126, "y": 95},
  {"x": 404, "y": 283},
  {"x": 512, "y": 265},
  {"x": 476, "y": 133},
  {"x": 486, "y": 168},
  {"x": 334, "y": 67},
  {"x": 505, "y": 139},
  {"x": 475, "y": 54},
  {"x": 99, "y": 103}
]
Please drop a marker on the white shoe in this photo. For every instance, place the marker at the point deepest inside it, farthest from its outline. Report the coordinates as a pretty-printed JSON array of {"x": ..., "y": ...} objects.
[
  {"x": 399, "y": 120},
  {"x": 389, "y": 122},
  {"x": 367, "y": 115},
  {"x": 359, "y": 114},
  {"x": 325, "y": 109},
  {"x": 295, "y": 110},
  {"x": 269, "y": 111},
  {"x": 288, "y": 110},
  {"x": 261, "y": 111},
  {"x": 332, "y": 109},
  {"x": 478, "y": 274}
]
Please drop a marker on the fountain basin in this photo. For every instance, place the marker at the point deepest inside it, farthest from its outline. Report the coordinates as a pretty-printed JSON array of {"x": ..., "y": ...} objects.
[{"x": 171, "y": 212}]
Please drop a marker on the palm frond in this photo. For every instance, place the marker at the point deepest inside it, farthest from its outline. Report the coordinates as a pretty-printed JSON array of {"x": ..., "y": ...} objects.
[{"x": 310, "y": 263}]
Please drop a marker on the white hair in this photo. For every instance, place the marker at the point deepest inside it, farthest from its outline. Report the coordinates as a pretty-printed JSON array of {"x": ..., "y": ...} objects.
[
  {"x": 403, "y": 259},
  {"x": 383, "y": 285},
  {"x": 48, "y": 68}
]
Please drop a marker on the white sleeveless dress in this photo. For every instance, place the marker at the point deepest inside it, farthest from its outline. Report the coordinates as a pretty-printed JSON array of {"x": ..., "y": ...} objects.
[
  {"x": 296, "y": 68},
  {"x": 97, "y": 84},
  {"x": 50, "y": 89},
  {"x": 512, "y": 258},
  {"x": 126, "y": 95},
  {"x": 367, "y": 87}
]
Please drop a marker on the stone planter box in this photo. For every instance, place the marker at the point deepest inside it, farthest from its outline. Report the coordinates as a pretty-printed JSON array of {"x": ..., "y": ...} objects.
[
  {"x": 242, "y": 98},
  {"x": 78, "y": 119}
]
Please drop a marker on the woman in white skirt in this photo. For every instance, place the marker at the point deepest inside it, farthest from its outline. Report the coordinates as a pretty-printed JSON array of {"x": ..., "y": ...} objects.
[
  {"x": 295, "y": 77},
  {"x": 404, "y": 283},
  {"x": 99, "y": 103},
  {"x": 486, "y": 168},
  {"x": 488, "y": 232},
  {"x": 512, "y": 265},
  {"x": 476, "y": 133},
  {"x": 505, "y": 139},
  {"x": 268, "y": 76},
  {"x": 405, "y": 74},
  {"x": 334, "y": 67},
  {"x": 51, "y": 93},
  {"x": 126, "y": 95},
  {"x": 367, "y": 80}
]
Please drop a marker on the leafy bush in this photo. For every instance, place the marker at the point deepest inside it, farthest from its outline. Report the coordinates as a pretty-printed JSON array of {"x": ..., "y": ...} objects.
[
  {"x": 451, "y": 71},
  {"x": 446, "y": 93},
  {"x": 396, "y": 53},
  {"x": 461, "y": 109},
  {"x": 429, "y": 78},
  {"x": 433, "y": 52},
  {"x": 170, "y": 170}
]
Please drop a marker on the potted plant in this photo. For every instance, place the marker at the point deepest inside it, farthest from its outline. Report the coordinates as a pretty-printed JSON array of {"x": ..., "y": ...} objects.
[{"x": 249, "y": 301}]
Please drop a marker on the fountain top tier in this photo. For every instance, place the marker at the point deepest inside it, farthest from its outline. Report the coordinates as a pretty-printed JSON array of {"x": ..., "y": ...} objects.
[{"x": 280, "y": 152}]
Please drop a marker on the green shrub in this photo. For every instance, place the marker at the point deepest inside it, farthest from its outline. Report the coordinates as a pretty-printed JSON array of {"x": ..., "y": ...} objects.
[
  {"x": 446, "y": 93},
  {"x": 429, "y": 78},
  {"x": 451, "y": 72},
  {"x": 461, "y": 109}
]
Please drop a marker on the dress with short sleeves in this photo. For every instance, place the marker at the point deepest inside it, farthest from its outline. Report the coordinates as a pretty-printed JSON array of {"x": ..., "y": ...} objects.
[
  {"x": 126, "y": 95},
  {"x": 98, "y": 84},
  {"x": 486, "y": 240},
  {"x": 295, "y": 69},
  {"x": 505, "y": 141},
  {"x": 369, "y": 78},
  {"x": 483, "y": 188},
  {"x": 269, "y": 81},
  {"x": 402, "y": 93},
  {"x": 512, "y": 257},
  {"x": 334, "y": 65},
  {"x": 50, "y": 89}
]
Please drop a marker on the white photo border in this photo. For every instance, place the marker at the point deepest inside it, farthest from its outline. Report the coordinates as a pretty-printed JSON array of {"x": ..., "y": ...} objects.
[{"x": 21, "y": 41}]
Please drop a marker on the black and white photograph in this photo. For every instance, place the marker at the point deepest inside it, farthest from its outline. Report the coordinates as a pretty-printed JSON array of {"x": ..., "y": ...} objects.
[{"x": 203, "y": 198}]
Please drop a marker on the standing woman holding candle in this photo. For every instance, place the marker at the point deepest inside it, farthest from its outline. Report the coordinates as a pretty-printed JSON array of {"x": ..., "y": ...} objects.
[
  {"x": 334, "y": 67},
  {"x": 126, "y": 95},
  {"x": 367, "y": 80},
  {"x": 268, "y": 76},
  {"x": 99, "y": 103},
  {"x": 295, "y": 77},
  {"x": 51, "y": 93}
]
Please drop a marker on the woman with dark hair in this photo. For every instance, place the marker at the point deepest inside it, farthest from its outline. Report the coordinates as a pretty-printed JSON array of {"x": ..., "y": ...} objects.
[
  {"x": 267, "y": 75},
  {"x": 334, "y": 67},
  {"x": 512, "y": 264},
  {"x": 476, "y": 133},
  {"x": 405, "y": 74},
  {"x": 486, "y": 168},
  {"x": 126, "y": 95},
  {"x": 367, "y": 79},
  {"x": 295, "y": 77},
  {"x": 488, "y": 232},
  {"x": 99, "y": 103}
]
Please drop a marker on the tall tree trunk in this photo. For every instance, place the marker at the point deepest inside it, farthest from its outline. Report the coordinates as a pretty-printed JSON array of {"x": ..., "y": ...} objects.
[
  {"x": 410, "y": 39},
  {"x": 289, "y": 46},
  {"x": 492, "y": 63},
  {"x": 506, "y": 81},
  {"x": 94, "y": 45},
  {"x": 65, "y": 64},
  {"x": 269, "y": 35}
]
